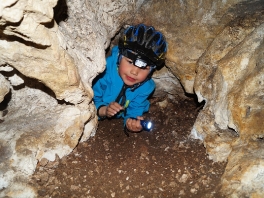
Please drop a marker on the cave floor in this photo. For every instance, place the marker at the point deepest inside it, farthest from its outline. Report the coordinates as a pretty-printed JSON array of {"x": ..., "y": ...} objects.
[{"x": 162, "y": 163}]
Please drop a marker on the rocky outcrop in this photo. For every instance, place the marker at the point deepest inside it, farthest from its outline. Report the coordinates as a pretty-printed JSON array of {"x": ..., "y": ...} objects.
[
  {"x": 46, "y": 108},
  {"x": 46, "y": 73},
  {"x": 216, "y": 51},
  {"x": 231, "y": 82},
  {"x": 50, "y": 51}
]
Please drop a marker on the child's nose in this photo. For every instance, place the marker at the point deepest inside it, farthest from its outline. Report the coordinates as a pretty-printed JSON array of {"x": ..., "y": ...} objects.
[{"x": 134, "y": 70}]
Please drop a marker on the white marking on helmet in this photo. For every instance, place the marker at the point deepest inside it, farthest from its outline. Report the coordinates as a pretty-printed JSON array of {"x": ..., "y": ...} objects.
[{"x": 140, "y": 63}]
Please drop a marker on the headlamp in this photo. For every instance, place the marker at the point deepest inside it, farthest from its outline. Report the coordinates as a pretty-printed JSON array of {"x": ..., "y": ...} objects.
[
  {"x": 138, "y": 60},
  {"x": 140, "y": 63}
]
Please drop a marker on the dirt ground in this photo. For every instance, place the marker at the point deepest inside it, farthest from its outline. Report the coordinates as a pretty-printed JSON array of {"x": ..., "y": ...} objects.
[{"x": 162, "y": 163}]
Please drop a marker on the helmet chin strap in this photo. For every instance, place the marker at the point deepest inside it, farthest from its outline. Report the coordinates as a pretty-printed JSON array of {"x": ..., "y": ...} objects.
[{"x": 135, "y": 86}]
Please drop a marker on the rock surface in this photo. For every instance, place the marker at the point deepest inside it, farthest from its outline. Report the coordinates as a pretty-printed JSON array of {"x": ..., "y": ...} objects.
[
  {"x": 50, "y": 51},
  {"x": 46, "y": 108},
  {"x": 216, "y": 51}
]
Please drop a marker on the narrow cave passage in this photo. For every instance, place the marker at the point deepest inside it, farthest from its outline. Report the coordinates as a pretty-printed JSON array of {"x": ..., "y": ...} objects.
[{"x": 161, "y": 163}]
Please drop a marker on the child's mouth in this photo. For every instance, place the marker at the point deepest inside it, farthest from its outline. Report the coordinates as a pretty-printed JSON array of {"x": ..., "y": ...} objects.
[{"x": 130, "y": 79}]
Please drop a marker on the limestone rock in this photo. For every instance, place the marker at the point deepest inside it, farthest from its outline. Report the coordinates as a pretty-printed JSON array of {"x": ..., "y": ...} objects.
[
  {"x": 244, "y": 175},
  {"x": 87, "y": 29},
  {"x": 189, "y": 27},
  {"x": 230, "y": 81},
  {"x": 167, "y": 85},
  {"x": 216, "y": 52},
  {"x": 49, "y": 106},
  {"x": 4, "y": 87},
  {"x": 46, "y": 105}
]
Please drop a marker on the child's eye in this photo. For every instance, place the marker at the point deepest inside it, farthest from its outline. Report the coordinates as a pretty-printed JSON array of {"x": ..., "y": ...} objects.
[
  {"x": 146, "y": 68},
  {"x": 130, "y": 61}
]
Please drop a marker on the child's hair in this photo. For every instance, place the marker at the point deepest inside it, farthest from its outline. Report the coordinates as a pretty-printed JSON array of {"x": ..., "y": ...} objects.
[{"x": 148, "y": 44}]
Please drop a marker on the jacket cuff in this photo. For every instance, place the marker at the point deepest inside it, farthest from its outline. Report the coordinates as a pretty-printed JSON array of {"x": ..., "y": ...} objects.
[{"x": 100, "y": 117}]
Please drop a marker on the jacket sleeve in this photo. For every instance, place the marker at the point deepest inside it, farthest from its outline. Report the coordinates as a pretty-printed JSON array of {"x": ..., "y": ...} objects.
[
  {"x": 103, "y": 80},
  {"x": 99, "y": 88},
  {"x": 140, "y": 104}
]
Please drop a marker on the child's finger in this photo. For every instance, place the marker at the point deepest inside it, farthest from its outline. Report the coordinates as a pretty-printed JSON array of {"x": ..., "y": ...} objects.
[
  {"x": 140, "y": 118},
  {"x": 113, "y": 108},
  {"x": 133, "y": 125},
  {"x": 118, "y": 106}
]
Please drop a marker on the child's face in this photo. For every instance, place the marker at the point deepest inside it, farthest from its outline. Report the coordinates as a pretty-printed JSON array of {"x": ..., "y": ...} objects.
[{"x": 130, "y": 73}]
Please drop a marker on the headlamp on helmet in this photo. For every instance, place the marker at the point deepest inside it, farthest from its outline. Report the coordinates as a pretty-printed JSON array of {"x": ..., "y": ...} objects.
[
  {"x": 150, "y": 45},
  {"x": 140, "y": 63},
  {"x": 138, "y": 60}
]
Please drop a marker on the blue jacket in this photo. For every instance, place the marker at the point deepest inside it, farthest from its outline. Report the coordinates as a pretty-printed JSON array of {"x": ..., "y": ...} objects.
[{"x": 107, "y": 88}]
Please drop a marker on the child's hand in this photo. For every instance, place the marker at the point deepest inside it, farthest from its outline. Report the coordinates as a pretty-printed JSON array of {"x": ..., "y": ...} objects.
[
  {"x": 134, "y": 124},
  {"x": 112, "y": 109}
]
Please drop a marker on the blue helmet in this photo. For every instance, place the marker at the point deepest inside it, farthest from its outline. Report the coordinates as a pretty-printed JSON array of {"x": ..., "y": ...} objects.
[{"x": 148, "y": 46}]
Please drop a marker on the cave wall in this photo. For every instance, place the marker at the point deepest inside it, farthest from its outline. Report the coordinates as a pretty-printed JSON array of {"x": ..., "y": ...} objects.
[
  {"x": 216, "y": 51},
  {"x": 50, "y": 51},
  {"x": 48, "y": 61},
  {"x": 45, "y": 107}
]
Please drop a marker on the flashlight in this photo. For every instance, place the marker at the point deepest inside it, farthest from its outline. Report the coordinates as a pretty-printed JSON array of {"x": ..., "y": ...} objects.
[{"x": 146, "y": 125}]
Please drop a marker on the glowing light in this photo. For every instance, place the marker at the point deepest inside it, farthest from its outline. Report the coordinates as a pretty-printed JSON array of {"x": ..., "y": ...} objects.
[{"x": 146, "y": 125}]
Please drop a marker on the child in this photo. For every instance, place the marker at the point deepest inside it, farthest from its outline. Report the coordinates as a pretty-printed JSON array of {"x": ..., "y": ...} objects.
[{"x": 126, "y": 84}]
